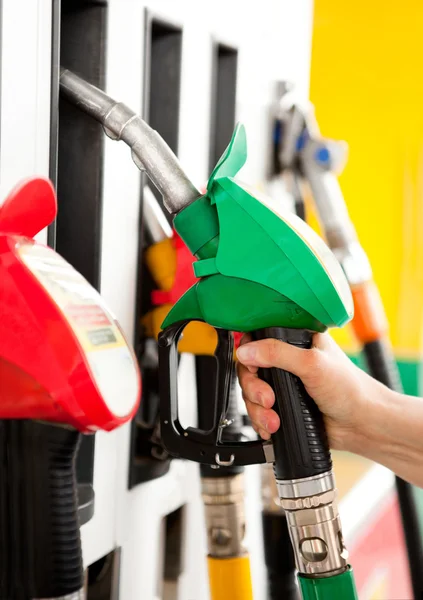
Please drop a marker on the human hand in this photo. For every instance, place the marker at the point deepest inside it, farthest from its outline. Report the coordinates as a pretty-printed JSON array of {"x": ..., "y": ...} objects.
[{"x": 339, "y": 388}]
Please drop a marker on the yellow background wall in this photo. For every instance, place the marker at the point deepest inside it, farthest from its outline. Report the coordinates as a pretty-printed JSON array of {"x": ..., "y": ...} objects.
[{"x": 367, "y": 86}]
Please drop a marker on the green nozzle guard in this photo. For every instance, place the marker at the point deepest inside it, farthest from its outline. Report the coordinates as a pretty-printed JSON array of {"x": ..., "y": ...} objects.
[
  {"x": 259, "y": 266},
  {"x": 338, "y": 587}
]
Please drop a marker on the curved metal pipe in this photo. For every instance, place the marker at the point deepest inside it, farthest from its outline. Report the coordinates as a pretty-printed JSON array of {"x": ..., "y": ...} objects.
[{"x": 149, "y": 151}]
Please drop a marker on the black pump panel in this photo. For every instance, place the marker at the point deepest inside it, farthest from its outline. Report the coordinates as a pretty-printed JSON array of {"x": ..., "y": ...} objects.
[
  {"x": 162, "y": 81},
  {"x": 162, "y": 85},
  {"x": 223, "y": 100},
  {"x": 76, "y": 155}
]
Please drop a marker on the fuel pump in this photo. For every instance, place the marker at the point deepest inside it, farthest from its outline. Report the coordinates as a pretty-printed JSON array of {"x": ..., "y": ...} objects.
[
  {"x": 282, "y": 282},
  {"x": 307, "y": 159},
  {"x": 66, "y": 369}
]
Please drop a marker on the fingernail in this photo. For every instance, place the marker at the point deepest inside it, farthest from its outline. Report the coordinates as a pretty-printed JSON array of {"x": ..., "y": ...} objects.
[
  {"x": 246, "y": 353},
  {"x": 264, "y": 434}
]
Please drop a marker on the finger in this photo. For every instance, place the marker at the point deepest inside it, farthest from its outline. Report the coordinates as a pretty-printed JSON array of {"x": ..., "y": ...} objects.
[
  {"x": 243, "y": 372},
  {"x": 254, "y": 389},
  {"x": 245, "y": 340},
  {"x": 257, "y": 391},
  {"x": 246, "y": 380},
  {"x": 263, "y": 418},
  {"x": 261, "y": 432},
  {"x": 264, "y": 434},
  {"x": 274, "y": 353}
]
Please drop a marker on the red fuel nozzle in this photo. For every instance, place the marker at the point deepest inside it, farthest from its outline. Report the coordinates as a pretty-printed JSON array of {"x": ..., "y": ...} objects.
[{"x": 63, "y": 356}]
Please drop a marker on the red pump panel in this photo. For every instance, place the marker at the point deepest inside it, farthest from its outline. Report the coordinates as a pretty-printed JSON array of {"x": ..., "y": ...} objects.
[
  {"x": 184, "y": 275},
  {"x": 63, "y": 356}
]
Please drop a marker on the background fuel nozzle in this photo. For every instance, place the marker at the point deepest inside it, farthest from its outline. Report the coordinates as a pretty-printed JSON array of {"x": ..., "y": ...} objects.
[{"x": 155, "y": 222}]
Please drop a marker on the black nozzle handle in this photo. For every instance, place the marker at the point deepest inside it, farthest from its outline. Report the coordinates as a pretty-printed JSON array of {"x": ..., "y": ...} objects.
[
  {"x": 40, "y": 546},
  {"x": 211, "y": 446},
  {"x": 300, "y": 445}
]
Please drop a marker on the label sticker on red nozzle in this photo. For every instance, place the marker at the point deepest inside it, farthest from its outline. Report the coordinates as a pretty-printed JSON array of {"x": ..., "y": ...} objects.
[{"x": 111, "y": 361}]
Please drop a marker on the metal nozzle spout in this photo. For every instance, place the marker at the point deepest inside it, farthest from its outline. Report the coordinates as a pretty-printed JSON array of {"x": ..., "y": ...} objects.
[{"x": 149, "y": 151}]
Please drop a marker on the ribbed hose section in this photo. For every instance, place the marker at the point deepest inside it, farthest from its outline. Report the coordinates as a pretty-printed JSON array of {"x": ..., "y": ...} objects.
[
  {"x": 40, "y": 547},
  {"x": 382, "y": 366}
]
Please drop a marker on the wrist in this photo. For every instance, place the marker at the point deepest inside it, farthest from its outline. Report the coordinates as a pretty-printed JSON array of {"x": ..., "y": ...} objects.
[
  {"x": 353, "y": 427},
  {"x": 372, "y": 427},
  {"x": 390, "y": 432}
]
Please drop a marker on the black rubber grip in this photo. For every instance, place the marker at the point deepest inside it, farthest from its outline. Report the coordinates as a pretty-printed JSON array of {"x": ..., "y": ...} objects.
[
  {"x": 40, "y": 547},
  {"x": 206, "y": 375},
  {"x": 381, "y": 364},
  {"x": 279, "y": 558},
  {"x": 300, "y": 444}
]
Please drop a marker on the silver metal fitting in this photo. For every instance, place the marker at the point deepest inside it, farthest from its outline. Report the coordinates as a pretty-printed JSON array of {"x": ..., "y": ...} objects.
[
  {"x": 223, "y": 499},
  {"x": 306, "y": 487},
  {"x": 314, "y": 525},
  {"x": 269, "y": 452},
  {"x": 310, "y": 502}
]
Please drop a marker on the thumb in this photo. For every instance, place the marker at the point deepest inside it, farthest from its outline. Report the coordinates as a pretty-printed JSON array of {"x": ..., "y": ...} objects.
[{"x": 274, "y": 353}]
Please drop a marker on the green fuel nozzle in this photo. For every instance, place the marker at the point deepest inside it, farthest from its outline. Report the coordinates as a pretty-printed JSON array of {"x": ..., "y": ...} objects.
[
  {"x": 257, "y": 267},
  {"x": 266, "y": 272}
]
